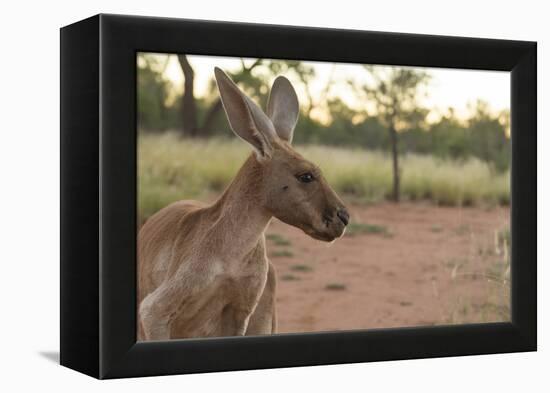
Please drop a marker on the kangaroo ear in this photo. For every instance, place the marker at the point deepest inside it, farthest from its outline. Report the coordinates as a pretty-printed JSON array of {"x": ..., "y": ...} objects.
[
  {"x": 283, "y": 108},
  {"x": 246, "y": 119}
]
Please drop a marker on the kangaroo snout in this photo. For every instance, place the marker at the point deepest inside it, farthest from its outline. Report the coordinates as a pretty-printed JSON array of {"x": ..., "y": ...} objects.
[{"x": 343, "y": 215}]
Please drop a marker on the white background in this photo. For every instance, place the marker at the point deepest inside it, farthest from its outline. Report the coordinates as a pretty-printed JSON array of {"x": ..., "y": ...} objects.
[{"x": 29, "y": 194}]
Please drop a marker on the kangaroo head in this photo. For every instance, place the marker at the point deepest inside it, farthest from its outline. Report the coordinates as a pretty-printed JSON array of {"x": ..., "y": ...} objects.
[{"x": 293, "y": 189}]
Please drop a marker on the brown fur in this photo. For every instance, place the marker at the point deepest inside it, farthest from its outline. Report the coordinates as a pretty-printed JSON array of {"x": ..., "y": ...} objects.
[{"x": 203, "y": 269}]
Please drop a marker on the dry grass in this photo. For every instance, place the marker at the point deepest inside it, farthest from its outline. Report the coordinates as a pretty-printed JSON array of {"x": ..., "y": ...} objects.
[
  {"x": 496, "y": 305},
  {"x": 171, "y": 168}
]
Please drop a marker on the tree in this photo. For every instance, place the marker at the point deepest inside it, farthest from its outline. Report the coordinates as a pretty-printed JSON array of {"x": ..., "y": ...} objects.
[
  {"x": 152, "y": 94},
  {"x": 188, "y": 104},
  {"x": 255, "y": 84},
  {"x": 394, "y": 93},
  {"x": 450, "y": 137},
  {"x": 488, "y": 136}
]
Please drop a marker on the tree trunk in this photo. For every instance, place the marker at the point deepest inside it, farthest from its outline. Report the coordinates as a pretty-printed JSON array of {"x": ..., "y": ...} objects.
[
  {"x": 211, "y": 117},
  {"x": 395, "y": 159},
  {"x": 189, "y": 106}
]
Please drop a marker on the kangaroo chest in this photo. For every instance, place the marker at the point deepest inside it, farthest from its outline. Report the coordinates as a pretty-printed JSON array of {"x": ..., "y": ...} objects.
[
  {"x": 224, "y": 304},
  {"x": 242, "y": 281}
]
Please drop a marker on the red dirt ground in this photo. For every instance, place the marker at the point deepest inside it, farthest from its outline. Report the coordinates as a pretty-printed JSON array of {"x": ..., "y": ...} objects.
[{"x": 430, "y": 265}]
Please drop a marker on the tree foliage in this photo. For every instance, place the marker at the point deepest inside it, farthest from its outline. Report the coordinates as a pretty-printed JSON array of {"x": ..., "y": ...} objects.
[
  {"x": 394, "y": 91},
  {"x": 152, "y": 94},
  {"x": 392, "y": 101}
]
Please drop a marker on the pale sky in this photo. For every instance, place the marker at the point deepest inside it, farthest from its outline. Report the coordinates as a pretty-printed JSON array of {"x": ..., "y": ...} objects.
[{"x": 455, "y": 88}]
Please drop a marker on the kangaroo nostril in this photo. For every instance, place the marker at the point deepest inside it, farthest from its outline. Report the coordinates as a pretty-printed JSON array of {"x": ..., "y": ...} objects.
[{"x": 343, "y": 215}]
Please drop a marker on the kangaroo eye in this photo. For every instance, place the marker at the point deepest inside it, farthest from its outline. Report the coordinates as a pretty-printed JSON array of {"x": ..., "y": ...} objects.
[{"x": 306, "y": 177}]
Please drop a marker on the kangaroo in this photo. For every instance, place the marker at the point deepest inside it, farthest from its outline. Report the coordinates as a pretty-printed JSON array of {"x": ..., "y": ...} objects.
[{"x": 203, "y": 269}]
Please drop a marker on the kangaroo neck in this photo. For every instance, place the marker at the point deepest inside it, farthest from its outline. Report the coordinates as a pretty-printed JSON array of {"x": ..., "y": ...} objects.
[{"x": 239, "y": 215}]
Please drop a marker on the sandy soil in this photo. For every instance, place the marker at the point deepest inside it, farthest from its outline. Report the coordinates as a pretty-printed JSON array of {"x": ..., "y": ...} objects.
[{"x": 418, "y": 265}]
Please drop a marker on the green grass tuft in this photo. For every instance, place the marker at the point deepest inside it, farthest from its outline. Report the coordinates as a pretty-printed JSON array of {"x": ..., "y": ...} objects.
[
  {"x": 335, "y": 287},
  {"x": 301, "y": 268},
  {"x": 278, "y": 240},
  {"x": 357, "y": 228},
  {"x": 282, "y": 253},
  {"x": 289, "y": 277}
]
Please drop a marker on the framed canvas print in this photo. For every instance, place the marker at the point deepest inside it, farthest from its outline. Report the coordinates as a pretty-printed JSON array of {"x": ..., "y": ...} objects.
[{"x": 240, "y": 196}]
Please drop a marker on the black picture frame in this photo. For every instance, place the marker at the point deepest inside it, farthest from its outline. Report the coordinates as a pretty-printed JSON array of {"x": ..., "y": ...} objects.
[{"x": 98, "y": 196}]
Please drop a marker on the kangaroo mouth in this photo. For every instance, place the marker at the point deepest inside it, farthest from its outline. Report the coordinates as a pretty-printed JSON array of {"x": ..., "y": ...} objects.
[
  {"x": 325, "y": 237},
  {"x": 328, "y": 234}
]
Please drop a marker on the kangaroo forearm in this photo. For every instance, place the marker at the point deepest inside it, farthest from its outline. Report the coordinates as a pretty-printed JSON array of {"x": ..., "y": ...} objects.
[{"x": 154, "y": 321}]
